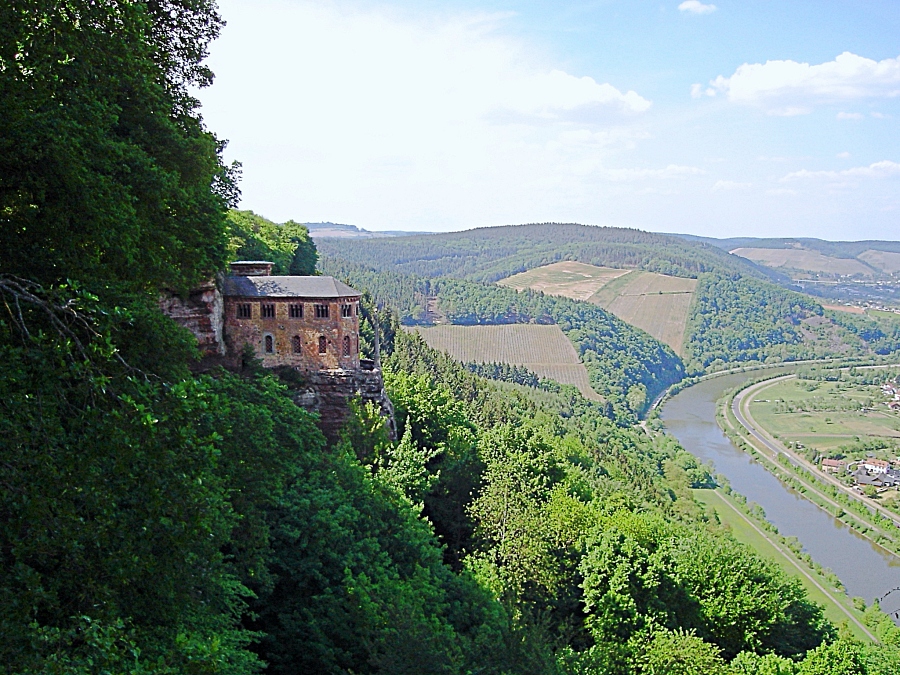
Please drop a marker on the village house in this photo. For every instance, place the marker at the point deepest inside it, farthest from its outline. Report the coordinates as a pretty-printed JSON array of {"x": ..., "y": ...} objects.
[
  {"x": 834, "y": 465},
  {"x": 876, "y": 465},
  {"x": 880, "y": 480},
  {"x": 306, "y": 322}
]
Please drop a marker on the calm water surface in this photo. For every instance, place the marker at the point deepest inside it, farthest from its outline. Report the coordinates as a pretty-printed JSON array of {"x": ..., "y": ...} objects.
[{"x": 865, "y": 569}]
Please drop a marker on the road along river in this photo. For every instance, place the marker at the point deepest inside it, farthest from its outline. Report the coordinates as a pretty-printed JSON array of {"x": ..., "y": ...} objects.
[{"x": 865, "y": 569}]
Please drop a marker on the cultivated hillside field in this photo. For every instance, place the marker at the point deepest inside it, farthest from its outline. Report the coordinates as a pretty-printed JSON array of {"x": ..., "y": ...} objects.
[
  {"x": 656, "y": 303},
  {"x": 544, "y": 350},
  {"x": 568, "y": 278},
  {"x": 805, "y": 260},
  {"x": 885, "y": 261}
]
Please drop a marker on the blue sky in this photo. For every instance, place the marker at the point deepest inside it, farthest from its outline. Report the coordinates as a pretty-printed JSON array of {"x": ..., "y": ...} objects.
[{"x": 713, "y": 118}]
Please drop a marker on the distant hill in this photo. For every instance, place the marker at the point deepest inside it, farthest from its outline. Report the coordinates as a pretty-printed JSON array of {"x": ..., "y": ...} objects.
[
  {"x": 816, "y": 257},
  {"x": 712, "y": 307},
  {"x": 489, "y": 254},
  {"x": 341, "y": 231}
]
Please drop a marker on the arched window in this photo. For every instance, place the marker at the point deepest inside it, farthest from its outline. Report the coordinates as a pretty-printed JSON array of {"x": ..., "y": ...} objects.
[
  {"x": 323, "y": 345},
  {"x": 269, "y": 344},
  {"x": 346, "y": 345},
  {"x": 297, "y": 344}
]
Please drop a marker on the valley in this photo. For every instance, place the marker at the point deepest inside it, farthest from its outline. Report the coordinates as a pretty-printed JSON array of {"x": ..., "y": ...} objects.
[{"x": 235, "y": 441}]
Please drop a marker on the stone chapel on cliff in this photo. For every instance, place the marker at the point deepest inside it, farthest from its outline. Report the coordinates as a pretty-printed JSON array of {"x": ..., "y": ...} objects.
[
  {"x": 305, "y": 323},
  {"x": 309, "y": 323}
]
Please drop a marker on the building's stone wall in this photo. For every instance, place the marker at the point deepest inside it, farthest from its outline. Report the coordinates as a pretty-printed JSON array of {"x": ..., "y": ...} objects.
[
  {"x": 284, "y": 330},
  {"x": 328, "y": 393},
  {"x": 330, "y": 380},
  {"x": 202, "y": 314}
]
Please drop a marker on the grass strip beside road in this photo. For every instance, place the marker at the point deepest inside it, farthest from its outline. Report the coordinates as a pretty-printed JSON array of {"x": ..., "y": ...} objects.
[
  {"x": 836, "y": 604},
  {"x": 771, "y": 448}
]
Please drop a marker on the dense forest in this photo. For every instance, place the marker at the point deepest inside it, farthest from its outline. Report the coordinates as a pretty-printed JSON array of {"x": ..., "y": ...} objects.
[
  {"x": 157, "y": 521},
  {"x": 287, "y": 245},
  {"x": 490, "y": 254},
  {"x": 625, "y": 363},
  {"x": 740, "y": 320}
]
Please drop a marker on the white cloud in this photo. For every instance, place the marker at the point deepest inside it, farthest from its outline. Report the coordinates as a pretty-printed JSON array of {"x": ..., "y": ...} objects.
[
  {"x": 729, "y": 185},
  {"x": 789, "y": 87},
  {"x": 385, "y": 118},
  {"x": 843, "y": 155},
  {"x": 849, "y": 116},
  {"x": 695, "y": 7},
  {"x": 878, "y": 170},
  {"x": 697, "y": 91},
  {"x": 671, "y": 171},
  {"x": 781, "y": 191},
  {"x": 880, "y": 116}
]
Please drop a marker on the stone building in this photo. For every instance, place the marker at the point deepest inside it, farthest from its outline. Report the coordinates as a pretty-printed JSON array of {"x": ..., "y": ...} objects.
[{"x": 309, "y": 323}]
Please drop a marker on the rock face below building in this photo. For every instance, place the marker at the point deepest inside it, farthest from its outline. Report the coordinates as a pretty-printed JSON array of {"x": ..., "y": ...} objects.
[
  {"x": 202, "y": 313},
  {"x": 328, "y": 394},
  {"x": 330, "y": 376}
]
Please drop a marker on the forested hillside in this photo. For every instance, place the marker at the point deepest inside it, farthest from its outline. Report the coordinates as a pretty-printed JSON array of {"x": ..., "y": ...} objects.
[
  {"x": 156, "y": 521},
  {"x": 738, "y": 320},
  {"x": 493, "y": 253},
  {"x": 626, "y": 365}
]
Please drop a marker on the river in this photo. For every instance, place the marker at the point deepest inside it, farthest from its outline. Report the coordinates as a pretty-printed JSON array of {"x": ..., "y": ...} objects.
[{"x": 865, "y": 569}]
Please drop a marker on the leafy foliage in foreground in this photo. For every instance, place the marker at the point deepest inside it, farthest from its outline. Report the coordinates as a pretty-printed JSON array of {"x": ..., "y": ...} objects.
[
  {"x": 288, "y": 245},
  {"x": 105, "y": 166},
  {"x": 589, "y": 538}
]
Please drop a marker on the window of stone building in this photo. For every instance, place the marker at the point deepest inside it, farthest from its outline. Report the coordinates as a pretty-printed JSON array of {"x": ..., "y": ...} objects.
[
  {"x": 268, "y": 311},
  {"x": 323, "y": 345},
  {"x": 269, "y": 344},
  {"x": 243, "y": 311},
  {"x": 297, "y": 344},
  {"x": 321, "y": 311},
  {"x": 346, "y": 345},
  {"x": 296, "y": 311},
  {"x": 346, "y": 311}
]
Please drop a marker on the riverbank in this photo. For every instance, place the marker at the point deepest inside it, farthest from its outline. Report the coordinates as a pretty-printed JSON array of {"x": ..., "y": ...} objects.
[
  {"x": 797, "y": 473},
  {"x": 762, "y": 537},
  {"x": 812, "y": 536}
]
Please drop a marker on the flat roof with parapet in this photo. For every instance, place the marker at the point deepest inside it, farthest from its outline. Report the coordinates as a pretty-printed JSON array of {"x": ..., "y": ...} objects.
[{"x": 287, "y": 287}]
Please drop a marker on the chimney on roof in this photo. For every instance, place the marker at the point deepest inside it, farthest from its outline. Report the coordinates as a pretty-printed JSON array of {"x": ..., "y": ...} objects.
[{"x": 251, "y": 268}]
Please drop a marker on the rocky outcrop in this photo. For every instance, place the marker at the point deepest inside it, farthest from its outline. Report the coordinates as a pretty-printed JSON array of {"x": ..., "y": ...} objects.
[
  {"x": 328, "y": 393},
  {"x": 202, "y": 313}
]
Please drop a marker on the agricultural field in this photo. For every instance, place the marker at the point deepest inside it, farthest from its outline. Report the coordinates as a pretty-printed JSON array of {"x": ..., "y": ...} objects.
[
  {"x": 826, "y": 415},
  {"x": 805, "y": 260},
  {"x": 850, "y": 309},
  {"x": 568, "y": 278},
  {"x": 544, "y": 350},
  {"x": 886, "y": 261},
  {"x": 656, "y": 303}
]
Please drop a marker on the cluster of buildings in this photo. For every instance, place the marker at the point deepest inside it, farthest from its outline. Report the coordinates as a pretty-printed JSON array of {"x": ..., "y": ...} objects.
[
  {"x": 892, "y": 390},
  {"x": 870, "y": 471}
]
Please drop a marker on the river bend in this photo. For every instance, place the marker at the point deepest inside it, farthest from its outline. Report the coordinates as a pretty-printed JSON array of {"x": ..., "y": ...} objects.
[{"x": 865, "y": 569}]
